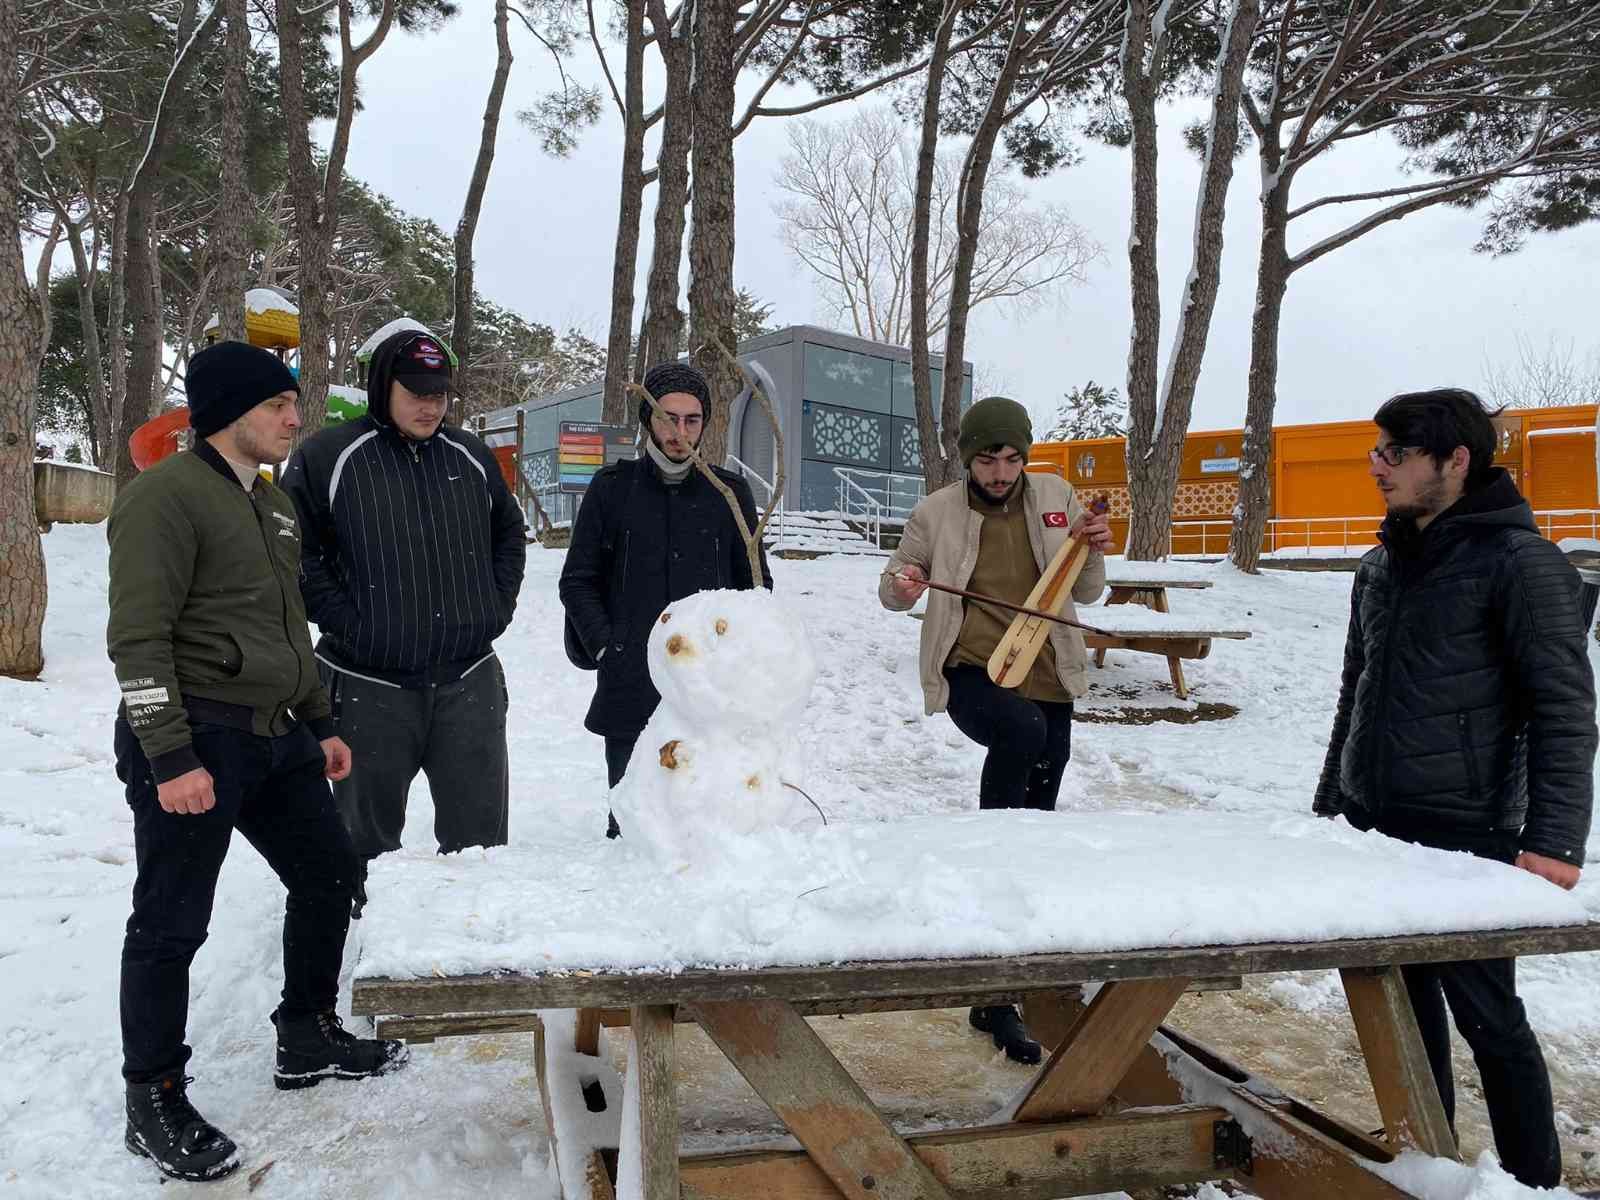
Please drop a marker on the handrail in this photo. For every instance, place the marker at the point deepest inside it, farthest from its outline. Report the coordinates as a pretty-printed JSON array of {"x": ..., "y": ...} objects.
[
  {"x": 752, "y": 473},
  {"x": 873, "y": 507}
]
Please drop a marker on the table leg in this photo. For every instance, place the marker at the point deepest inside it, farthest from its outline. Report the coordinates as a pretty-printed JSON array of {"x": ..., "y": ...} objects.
[
  {"x": 654, "y": 1063},
  {"x": 842, "y": 1131},
  {"x": 1402, "y": 1082},
  {"x": 1180, "y": 689}
]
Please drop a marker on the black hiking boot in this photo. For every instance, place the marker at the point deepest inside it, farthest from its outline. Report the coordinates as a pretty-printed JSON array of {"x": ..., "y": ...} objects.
[
  {"x": 316, "y": 1047},
  {"x": 164, "y": 1127},
  {"x": 1005, "y": 1026}
]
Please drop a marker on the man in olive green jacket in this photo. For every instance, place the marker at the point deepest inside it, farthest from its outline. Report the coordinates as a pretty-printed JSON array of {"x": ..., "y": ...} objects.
[
  {"x": 993, "y": 533},
  {"x": 223, "y": 726}
]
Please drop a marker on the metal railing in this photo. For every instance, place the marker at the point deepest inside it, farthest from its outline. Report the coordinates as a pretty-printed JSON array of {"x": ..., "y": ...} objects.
[
  {"x": 775, "y": 527},
  {"x": 1338, "y": 536},
  {"x": 860, "y": 504},
  {"x": 1558, "y": 523}
]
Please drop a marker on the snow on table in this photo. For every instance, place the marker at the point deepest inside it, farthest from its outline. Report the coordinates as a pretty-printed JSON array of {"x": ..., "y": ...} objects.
[
  {"x": 1120, "y": 571},
  {"x": 1134, "y": 620},
  {"x": 943, "y": 886}
]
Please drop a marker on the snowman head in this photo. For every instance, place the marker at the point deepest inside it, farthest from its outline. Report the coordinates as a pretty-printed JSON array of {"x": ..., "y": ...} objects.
[{"x": 731, "y": 661}]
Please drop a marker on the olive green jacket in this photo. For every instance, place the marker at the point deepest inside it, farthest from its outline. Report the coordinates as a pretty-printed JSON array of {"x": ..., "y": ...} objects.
[{"x": 205, "y": 606}]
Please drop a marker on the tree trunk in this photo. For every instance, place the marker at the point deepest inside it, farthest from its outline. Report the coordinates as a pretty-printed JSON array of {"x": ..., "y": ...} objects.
[
  {"x": 625, "y": 257},
  {"x": 234, "y": 213},
  {"x": 1153, "y": 474},
  {"x": 22, "y": 573},
  {"x": 102, "y": 435},
  {"x": 467, "y": 227},
  {"x": 935, "y": 466},
  {"x": 1147, "y": 538},
  {"x": 144, "y": 311},
  {"x": 969, "y": 227},
  {"x": 1255, "y": 469},
  {"x": 711, "y": 237},
  {"x": 663, "y": 322},
  {"x": 116, "y": 338}
]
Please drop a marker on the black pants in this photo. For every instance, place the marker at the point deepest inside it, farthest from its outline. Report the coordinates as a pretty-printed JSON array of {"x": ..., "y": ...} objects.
[
  {"x": 618, "y": 751},
  {"x": 273, "y": 792},
  {"x": 1482, "y": 997},
  {"x": 1029, "y": 741},
  {"x": 454, "y": 733}
]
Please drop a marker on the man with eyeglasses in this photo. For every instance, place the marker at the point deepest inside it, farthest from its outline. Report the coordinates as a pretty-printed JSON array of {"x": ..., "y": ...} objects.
[
  {"x": 414, "y": 553},
  {"x": 1466, "y": 721},
  {"x": 650, "y": 531}
]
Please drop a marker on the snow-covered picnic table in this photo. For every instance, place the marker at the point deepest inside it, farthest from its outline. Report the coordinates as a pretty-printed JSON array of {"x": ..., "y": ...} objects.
[{"x": 941, "y": 911}]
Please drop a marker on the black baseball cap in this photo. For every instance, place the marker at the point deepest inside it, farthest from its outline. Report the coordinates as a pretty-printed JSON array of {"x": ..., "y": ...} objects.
[{"x": 422, "y": 364}]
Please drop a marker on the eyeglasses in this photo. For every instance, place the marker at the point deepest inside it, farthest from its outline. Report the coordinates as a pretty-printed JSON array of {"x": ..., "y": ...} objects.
[
  {"x": 1391, "y": 454},
  {"x": 692, "y": 421}
]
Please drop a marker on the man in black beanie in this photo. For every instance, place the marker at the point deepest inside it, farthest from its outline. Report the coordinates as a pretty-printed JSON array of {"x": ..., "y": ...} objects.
[
  {"x": 414, "y": 556},
  {"x": 223, "y": 727},
  {"x": 649, "y": 532}
]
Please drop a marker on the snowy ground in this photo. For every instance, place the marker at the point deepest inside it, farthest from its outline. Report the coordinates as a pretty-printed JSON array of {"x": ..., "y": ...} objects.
[{"x": 463, "y": 1120}]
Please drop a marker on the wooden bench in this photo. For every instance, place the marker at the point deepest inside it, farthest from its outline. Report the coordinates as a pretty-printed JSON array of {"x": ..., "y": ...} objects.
[
  {"x": 1112, "y": 1107},
  {"x": 1150, "y": 591}
]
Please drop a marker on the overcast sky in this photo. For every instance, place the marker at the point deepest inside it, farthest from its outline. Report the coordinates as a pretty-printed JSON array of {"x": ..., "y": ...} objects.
[{"x": 1407, "y": 306}]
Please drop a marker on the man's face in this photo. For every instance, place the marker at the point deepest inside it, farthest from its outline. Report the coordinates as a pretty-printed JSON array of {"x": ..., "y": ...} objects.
[
  {"x": 418, "y": 417},
  {"x": 1416, "y": 487},
  {"x": 266, "y": 432},
  {"x": 996, "y": 471},
  {"x": 676, "y": 423}
]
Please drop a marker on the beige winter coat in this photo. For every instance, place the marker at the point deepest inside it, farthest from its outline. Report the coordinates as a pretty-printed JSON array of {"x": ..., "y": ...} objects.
[{"x": 941, "y": 537}]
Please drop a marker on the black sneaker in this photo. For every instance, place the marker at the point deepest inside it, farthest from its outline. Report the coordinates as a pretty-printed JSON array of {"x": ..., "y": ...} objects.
[
  {"x": 317, "y": 1047},
  {"x": 165, "y": 1128},
  {"x": 1005, "y": 1026}
]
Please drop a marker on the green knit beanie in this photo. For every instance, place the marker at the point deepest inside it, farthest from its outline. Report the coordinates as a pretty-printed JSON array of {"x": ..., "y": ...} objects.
[{"x": 994, "y": 421}]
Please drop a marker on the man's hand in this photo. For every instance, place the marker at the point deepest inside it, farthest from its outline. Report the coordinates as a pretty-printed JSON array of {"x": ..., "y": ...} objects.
[
  {"x": 336, "y": 759},
  {"x": 1562, "y": 874},
  {"x": 910, "y": 583},
  {"x": 188, "y": 794},
  {"x": 1097, "y": 529}
]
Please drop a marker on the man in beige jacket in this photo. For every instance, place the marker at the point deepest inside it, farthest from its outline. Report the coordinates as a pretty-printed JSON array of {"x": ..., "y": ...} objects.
[{"x": 993, "y": 533}]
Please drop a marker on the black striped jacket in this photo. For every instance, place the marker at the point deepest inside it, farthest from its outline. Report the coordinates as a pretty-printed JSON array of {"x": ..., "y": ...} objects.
[{"x": 413, "y": 551}]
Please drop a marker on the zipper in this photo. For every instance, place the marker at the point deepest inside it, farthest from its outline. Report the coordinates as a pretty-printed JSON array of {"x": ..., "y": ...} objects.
[
  {"x": 716, "y": 557},
  {"x": 1464, "y": 731},
  {"x": 1380, "y": 784},
  {"x": 283, "y": 602}
]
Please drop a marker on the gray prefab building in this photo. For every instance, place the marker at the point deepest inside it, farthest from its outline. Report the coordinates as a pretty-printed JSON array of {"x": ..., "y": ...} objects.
[{"x": 845, "y": 405}]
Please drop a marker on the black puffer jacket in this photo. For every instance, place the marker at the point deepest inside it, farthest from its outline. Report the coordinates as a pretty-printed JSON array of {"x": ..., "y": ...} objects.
[
  {"x": 1467, "y": 703},
  {"x": 638, "y": 545}
]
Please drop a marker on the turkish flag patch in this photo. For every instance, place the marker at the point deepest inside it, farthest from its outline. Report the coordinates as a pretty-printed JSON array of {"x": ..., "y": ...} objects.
[{"x": 1055, "y": 520}]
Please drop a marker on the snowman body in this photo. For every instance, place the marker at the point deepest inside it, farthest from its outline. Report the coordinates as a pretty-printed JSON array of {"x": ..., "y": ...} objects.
[{"x": 734, "y": 672}]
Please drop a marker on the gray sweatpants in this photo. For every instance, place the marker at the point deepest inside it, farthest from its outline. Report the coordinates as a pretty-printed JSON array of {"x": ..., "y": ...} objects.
[{"x": 454, "y": 733}]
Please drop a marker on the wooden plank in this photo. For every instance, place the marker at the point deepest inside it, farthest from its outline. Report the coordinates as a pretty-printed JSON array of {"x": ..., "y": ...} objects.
[
  {"x": 1145, "y": 585},
  {"x": 1082, "y": 1072},
  {"x": 1391, "y": 1043},
  {"x": 422, "y": 1030},
  {"x": 954, "y": 976},
  {"x": 790, "y": 1068},
  {"x": 586, "y": 1038},
  {"x": 654, "y": 1063},
  {"x": 1040, "y": 1161},
  {"x": 601, "y": 1186},
  {"x": 1049, "y": 1015}
]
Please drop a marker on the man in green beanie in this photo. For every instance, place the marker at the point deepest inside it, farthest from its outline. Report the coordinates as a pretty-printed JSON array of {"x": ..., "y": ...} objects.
[{"x": 993, "y": 533}]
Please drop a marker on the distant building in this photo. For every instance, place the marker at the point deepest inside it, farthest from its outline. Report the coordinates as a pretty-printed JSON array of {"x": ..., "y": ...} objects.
[{"x": 845, "y": 406}]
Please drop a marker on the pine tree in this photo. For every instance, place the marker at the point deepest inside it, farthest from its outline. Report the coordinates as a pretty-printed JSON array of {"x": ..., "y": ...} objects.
[{"x": 1089, "y": 412}]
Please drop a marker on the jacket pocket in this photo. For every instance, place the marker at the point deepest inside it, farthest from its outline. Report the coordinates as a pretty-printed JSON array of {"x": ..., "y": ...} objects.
[{"x": 1464, "y": 735}]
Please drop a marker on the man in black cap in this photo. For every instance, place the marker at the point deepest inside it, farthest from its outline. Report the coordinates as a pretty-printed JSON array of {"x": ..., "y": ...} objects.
[
  {"x": 222, "y": 727},
  {"x": 414, "y": 556},
  {"x": 649, "y": 532}
]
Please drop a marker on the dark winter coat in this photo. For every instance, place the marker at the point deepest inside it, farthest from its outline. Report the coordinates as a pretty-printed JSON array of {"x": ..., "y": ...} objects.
[
  {"x": 414, "y": 551},
  {"x": 1467, "y": 704},
  {"x": 205, "y": 607},
  {"x": 637, "y": 545}
]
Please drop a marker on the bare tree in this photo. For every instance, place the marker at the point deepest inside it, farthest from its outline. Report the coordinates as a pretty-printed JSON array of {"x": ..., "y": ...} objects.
[
  {"x": 316, "y": 202},
  {"x": 1548, "y": 376},
  {"x": 850, "y": 223},
  {"x": 467, "y": 227},
  {"x": 1158, "y": 422},
  {"x": 625, "y": 255},
  {"x": 23, "y": 588},
  {"x": 232, "y": 222},
  {"x": 1478, "y": 90}
]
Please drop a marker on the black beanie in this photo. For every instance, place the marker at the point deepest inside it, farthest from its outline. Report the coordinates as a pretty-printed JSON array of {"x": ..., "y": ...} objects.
[
  {"x": 228, "y": 379},
  {"x": 665, "y": 378},
  {"x": 994, "y": 421}
]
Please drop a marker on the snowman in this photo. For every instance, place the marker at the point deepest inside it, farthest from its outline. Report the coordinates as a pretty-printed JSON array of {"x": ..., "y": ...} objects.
[{"x": 717, "y": 761}]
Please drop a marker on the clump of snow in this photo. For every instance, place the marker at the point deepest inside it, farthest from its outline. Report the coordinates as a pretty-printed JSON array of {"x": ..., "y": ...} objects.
[
  {"x": 734, "y": 670},
  {"x": 264, "y": 300},
  {"x": 1442, "y": 1179}
]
